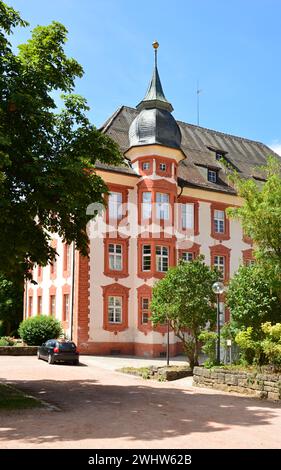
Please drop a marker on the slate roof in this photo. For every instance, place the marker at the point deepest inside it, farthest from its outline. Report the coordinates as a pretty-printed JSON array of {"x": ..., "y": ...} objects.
[{"x": 199, "y": 145}]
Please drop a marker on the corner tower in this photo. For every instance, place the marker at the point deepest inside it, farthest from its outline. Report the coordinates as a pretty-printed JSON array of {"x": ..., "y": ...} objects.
[{"x": 154, "y": 132}]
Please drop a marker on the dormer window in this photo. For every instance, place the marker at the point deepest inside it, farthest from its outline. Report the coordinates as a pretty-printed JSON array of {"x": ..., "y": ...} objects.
[
  {"x": 212, "y": 176},
  {"x": 163, "y": 167},
  {"x": 219, "y": 155},
  {"x": 145, "y": 165}
]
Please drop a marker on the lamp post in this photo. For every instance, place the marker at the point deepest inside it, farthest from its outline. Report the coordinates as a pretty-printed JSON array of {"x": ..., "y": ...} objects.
[{"x": 218, "y": 289}]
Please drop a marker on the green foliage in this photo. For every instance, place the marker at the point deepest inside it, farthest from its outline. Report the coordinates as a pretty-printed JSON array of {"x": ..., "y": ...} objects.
[
  {"x": 266, "y": 350},
  {"x": 47, "y": 158},
  {"x": 37, "y": 330},
  {"x": 209, "y": 339},
  {"x": 185, "y": 297},
  {"x": 260, "y": 215},
  {"x": 271, "y": 345},
  {"x": 11, "y": 305},
  {"x": 7, "y": 341},
  {"x": 251, "y": 299}
]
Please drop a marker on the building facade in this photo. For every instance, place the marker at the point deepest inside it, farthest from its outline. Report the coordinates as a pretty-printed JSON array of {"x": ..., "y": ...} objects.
[{"x": 167, "y": 202}]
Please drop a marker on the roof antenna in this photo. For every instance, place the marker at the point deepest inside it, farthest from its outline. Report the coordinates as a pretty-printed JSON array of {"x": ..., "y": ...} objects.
[
  {"x": 198, "y": 91},
  {"x": 155, "y": 45}
]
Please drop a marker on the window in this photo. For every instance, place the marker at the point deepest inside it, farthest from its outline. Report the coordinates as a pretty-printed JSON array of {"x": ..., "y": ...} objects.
[
  {"x": 219, "y": 155},
  {"x": 52, "y": 305},
  {"x": 115, "y": 309},
  {"x": 53, "y": 266},
  {"x": 219, "y": 221},
  {"x": 219, "y": 263},
  {"x": 66, "y": 304},
  {"x": 249, "y": 262},
  {"x": 187, "y": 256},
  {"x": 222, "y": 313},
  {"x": 115, "y": 257},
  {"x": 187, "y": 216},
  {"x": 145, "y": 165},
  {"x": 162, "y": 258},
  {"x": 144, "y": 310},
  {"x": 212, "y": 176},
  {"x": 163, "y": 167},
  {"x": 115, "y": 205},
  {"x": 146, "y": 258},
  {"x": 66, "y": 258},
  {"x": 146, "y": 205},
  {"x": 39, "y": 304},
  {"x": 162, "y": 206},
  {"x": 30, "y": 305}
]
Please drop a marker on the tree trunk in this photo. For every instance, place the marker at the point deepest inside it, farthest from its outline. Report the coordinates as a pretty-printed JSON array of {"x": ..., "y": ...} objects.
[{"x": 196, "y": 351}]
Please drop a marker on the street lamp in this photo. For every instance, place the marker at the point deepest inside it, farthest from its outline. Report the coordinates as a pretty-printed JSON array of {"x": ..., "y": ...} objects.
[{"x": 218, "y": 289}]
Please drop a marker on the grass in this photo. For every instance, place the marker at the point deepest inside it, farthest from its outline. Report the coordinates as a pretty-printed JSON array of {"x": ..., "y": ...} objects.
[
  {"x": 13, "y": 399},
  {"x": 144, "y": 372}
]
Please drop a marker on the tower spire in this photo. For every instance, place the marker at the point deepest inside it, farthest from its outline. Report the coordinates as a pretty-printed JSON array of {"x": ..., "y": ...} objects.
[
  {"x": 155, "y": 97},
  {"x": 155, "y": 45}
]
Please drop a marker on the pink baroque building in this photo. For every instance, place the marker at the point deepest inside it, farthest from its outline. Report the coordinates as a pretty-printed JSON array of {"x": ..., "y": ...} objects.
[{"x": 167, "y": 202}]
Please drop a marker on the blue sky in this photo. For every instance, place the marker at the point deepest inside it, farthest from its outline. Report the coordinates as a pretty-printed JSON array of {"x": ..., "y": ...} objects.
[{"x": 231, "y": 46}]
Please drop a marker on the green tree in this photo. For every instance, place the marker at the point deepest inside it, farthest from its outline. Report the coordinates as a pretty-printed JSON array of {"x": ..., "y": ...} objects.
[
  {"x": 47, "y": 158},
  {"x": 260, "y": 216},
  {"x": 185, "y": 298},
  {"x": 251, "y": 299},
  {"x": 11, "y": 305}
]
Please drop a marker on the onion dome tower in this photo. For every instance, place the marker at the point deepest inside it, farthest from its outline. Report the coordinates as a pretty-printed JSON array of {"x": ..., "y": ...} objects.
[{"x": 154, "y": 123}]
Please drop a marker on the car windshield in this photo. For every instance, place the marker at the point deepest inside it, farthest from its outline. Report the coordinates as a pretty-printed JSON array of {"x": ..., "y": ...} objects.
[{"x": 67, "y": 346}]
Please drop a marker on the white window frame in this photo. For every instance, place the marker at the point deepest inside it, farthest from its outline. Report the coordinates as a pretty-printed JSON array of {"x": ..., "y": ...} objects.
[
  {"x": 162, "y": 206},
  {"x": 30, "y": 305},
  {"x": 146, "y": 166},
  {"x": 163, "y": 167},
  {"x": 114, "y": 309},
  {"x": 219, "y": 221},
  {"x": 144, "y": 311},
  {"x": 162, "y": 258},
  {"x": 187, "y": 216},
  {"x": 187, "y": 256},
  {"x": 68, "y": 255},
  {"x": 146, "y": 204},
  {"x": 212, "y": 176},
  {"x": 66, "y": 305},
  {"x": 219, "y": 263},
  {"x": 115, "y": 205},
  {"x": 115, "y": 256},
  {"x": 250, "y": 262},
  {"x": 53, "y": 305},
  {"x": 39, "y": 304},
  {"x": 145, "y": 257}
]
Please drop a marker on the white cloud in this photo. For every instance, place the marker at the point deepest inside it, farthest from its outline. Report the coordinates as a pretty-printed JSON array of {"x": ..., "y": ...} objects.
[{"x": 276, "y": 146}]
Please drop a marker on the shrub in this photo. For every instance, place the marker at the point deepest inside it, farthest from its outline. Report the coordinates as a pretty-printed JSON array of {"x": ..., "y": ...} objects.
[
  {"x": 37, "y": 330},
  {"x": 7, "y": 341},
  {"x": 209, "y": 339},
  {"x": 271, "y": 345},
  {"x": 251, "y": 348}
]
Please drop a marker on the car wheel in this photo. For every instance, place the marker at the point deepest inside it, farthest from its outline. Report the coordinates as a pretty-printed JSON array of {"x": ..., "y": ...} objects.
[
  {"x": 38, "y": 355},
  {"x": 50, "y": 359},
  {"x": 76, "y": 362}
]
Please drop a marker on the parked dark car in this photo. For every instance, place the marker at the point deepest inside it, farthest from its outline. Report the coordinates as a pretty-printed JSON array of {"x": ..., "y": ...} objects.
[{"x": 55, "y": 350}]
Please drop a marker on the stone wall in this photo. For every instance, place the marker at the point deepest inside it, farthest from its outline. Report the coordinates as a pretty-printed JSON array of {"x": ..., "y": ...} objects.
[
  {"x": 18, "y": 350},
  {"x": 260, "y": 385}
]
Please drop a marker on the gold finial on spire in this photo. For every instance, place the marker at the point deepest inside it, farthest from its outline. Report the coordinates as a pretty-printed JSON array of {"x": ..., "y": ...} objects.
[{"x": 155, "y": 46}]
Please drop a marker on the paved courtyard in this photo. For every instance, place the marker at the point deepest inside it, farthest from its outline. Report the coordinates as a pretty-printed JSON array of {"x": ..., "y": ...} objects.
[{"x": 97, "y": 407}]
